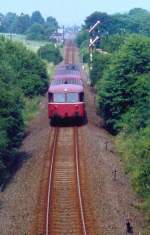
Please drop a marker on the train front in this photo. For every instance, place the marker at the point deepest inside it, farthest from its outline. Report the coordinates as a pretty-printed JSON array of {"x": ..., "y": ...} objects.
[{"x": 66, "y": 103}]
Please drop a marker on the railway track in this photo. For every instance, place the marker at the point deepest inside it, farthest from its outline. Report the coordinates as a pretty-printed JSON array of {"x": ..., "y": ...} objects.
[
  {"x": 69, "y": 54},
  {"x": 60, "y": 208},
  {"x": 64, "y": 213}
]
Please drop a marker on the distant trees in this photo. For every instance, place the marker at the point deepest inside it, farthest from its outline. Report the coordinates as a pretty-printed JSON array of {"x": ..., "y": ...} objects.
[
  {"x": 22, "y": 23},
  {"x": 8, "y": 22},
  {"x": 37, "y": 18},
  {"x": 82, "y": 37},
  {"x": 35, "y": 27},
  {"x": 50, "y": 53},
  {"x": 36, "y": 32},
  {"x": 51, "y": 23},
  {"x": 136, "y": 21}
]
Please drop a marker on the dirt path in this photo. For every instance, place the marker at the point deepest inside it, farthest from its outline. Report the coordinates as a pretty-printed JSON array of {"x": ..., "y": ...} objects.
[{"x": 111, "y": 200}]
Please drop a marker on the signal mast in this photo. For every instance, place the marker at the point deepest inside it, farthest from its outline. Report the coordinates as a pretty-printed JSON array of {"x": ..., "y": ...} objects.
[{"x": 94, "y": 37}]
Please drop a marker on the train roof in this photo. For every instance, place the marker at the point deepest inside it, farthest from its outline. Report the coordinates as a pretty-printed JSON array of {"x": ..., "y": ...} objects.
[
  {"x": 67, "y": 77},
  {"x": 67, "y": 72},
  {"x": 65, "y": 88},
  {"x": 66, "y": 80}
]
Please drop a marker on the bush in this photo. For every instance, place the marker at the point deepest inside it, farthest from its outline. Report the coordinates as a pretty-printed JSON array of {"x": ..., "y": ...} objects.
[
  {"x": 135, "y": 150},
  {"x": 100, "y": 62},
  {"x": 11, "y": 124},
  {"x": 25, "y": 68},
  {"x": 50, "y": 53}
]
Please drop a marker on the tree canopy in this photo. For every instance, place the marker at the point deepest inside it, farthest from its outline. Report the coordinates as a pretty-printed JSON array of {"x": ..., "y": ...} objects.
[
  {"x": 50, "y": 53},
  {"x": 34, "y": 26}
]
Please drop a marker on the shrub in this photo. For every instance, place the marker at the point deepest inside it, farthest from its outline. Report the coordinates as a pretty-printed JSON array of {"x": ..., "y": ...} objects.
[{"x": 50, "y": 53}]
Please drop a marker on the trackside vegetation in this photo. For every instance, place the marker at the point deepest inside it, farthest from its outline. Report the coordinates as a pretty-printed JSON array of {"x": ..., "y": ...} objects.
[
  {"x": 23, "y": 76},
  {"x": 121, "y": 76},
  {"x": 51, "y": 53},
  {"x": 123, "y": 94}
]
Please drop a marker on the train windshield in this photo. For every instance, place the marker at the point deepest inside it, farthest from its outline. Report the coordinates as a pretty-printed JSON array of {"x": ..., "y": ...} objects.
[
  {"x": 59, "y": 97},
  {"x": 72, "y": 97}
]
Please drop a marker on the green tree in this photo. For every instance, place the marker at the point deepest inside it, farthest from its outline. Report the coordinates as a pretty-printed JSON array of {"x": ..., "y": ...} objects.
[
  {"x": 100, "y": 62},
  {"x": 52, "y": 23},
  {"x": 50, "y": 53},
  {"x": 8, "y": 22},
  {"x": 22, "y": 23},
  {"x": 116, "y": 88},
  {"x": 81, "y": 37},
  {"x": 37, "y": 18},
  {"x": 112, "y": 43},
  {"x": 36, "y": 32}
]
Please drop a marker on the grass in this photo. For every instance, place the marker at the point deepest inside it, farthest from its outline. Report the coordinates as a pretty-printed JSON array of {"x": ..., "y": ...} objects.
[
  {"x": 50, "y": 69},
  {"x": 31, "y": 44},
  {"x": 31, "y": 108}
]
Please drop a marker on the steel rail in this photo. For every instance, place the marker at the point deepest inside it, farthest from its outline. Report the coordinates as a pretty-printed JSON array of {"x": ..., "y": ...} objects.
[
  {"x": 78, "y": 180},
  {"x": 56, "y": 130}
]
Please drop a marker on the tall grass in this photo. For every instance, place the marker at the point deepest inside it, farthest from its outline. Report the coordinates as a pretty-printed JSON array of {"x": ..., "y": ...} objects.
[{"x": 31, "y": 108}]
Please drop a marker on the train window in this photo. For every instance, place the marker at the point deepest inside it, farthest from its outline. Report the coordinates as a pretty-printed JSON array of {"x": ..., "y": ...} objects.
[
  {"x": 59, "y": 97},
  {"x": 72, "y": 97},
  {"x": 50, "y": 97},
  {"x": 81, "y": 97}
]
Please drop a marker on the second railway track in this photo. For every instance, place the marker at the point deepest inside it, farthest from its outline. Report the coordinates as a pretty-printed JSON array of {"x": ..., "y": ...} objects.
[{"x": 64, "y": 214}]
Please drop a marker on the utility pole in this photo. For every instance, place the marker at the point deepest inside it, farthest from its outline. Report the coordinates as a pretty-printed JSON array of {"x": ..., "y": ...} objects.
[
  {"x": 63, "y": 36},
  {"x": 94, "y": 37}
]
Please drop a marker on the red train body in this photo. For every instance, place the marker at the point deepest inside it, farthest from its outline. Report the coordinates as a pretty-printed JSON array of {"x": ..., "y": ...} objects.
[{"x": 66, "y": 101}]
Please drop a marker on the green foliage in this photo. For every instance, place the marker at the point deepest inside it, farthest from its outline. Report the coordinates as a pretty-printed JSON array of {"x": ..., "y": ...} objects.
[
  {"x": 52, "y": 23},
  {"x": 11, "y": 124},
  {"x": 22, "y": 73},
  {"x": 35, "y": 27},
  {"x": 124, "y": 99},
  {"x": 50, "y": 53},
  {"x": 112, "y": 43},
  {"x": 84, "y": 51},
  {"x": 104, "y": 18},
  {"x": 117, "y": 86},
  {"x": 100, "y": 62},
  {"x": 21, "y": 24},
  {"x": 36, "y": 32},
  {"x": 123, "y": 91},
  {"x": 28, "y": 70},
  {"x": 8, "y": 22},
  {"x": 135, "y": 150},
  {"x": 30, "y": 108},
  {"x": 37, "y": 18},
  {"x": 136, "y": 21},
  {"x": 81, "y": 37}
]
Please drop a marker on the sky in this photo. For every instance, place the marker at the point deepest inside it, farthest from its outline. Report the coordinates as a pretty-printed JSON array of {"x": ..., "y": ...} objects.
[{"x": 71, "y": 12}]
